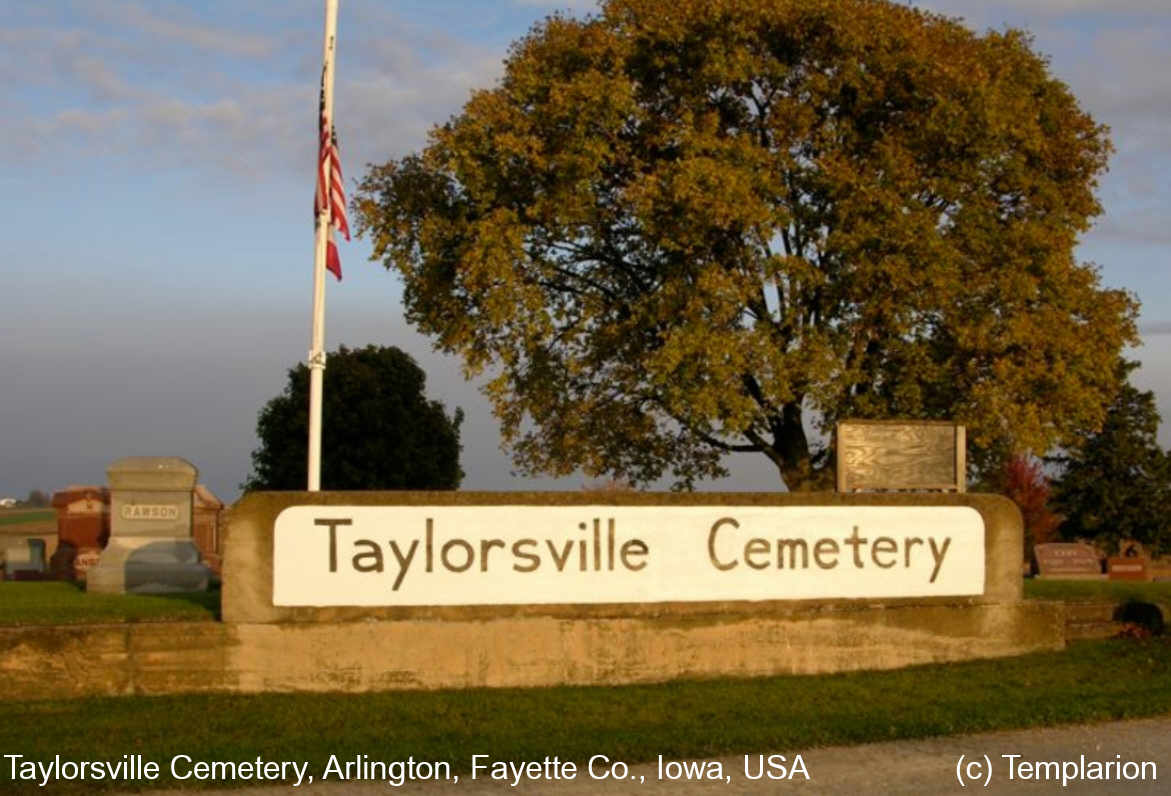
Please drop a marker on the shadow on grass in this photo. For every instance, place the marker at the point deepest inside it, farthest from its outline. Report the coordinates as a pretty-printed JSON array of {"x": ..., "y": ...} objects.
[
  {"x": 208, "y": 600},
  {"x": 67, "y": 603}
]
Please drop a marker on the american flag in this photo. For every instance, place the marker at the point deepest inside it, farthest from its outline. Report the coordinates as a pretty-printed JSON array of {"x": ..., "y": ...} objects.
[{"x": 331, "y": 192}]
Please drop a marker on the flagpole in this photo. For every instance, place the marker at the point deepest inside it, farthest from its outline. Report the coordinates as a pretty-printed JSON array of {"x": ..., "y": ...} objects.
[{"x": 317, "y": 345}]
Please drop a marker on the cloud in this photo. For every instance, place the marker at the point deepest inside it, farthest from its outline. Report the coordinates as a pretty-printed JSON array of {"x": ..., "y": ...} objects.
[
  {"x": 576, "y": 5},
  {"x": 99, "y": 94},
  {"x": 101, "y": 78},
  {"x": 1053, "y": 7},
  {"x": 1151, "y": 225},
  {"x": 1114, "y": 7},
  {"x": 82, "y": 122},
  {"x": 189, "y": 32},
  {"x": 1045, "y": 8},
  {"x": 1116, "y": 71},
  {"x": 103, "y": 97}
]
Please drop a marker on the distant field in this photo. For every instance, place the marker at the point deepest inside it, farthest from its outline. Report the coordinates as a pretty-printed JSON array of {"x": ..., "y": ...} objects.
[{"x": 25, "y": 516}]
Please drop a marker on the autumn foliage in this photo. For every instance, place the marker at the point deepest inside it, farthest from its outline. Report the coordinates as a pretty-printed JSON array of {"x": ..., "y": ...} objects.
[
  {"x": 1024, "y": 483},
  {"x": 673, "y": 231}
]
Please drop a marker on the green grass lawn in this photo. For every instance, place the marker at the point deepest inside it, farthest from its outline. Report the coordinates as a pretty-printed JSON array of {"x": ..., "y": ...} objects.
[
  {"x": 630, "y": 723},
  {"x": 22, "y": 516},
  {"x": 1098, "y": 590},
  {"x": 61, "y": 603},
  {"x": 50, "y": 603}
]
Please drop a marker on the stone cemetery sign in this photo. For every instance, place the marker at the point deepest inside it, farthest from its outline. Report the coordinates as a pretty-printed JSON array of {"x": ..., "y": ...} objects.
[
  {"x": 150, "y": 548},
  {"x": 1067, "y": 560},
  {"x": 347, "y": 555},
  {"x": 893, "y": 455},
  {"x": 376, "y": 591}
]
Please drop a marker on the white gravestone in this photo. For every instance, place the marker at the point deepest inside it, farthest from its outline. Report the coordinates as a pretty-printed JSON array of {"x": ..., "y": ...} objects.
[{"x": 151, "y": 549}]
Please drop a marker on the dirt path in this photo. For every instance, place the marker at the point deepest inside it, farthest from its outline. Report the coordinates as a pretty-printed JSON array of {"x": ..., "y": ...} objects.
[{"x": 901, "y": 767}]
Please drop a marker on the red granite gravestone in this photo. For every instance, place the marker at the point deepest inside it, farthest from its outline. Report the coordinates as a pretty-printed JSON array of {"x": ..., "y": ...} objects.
[
  {"x": 86, "y": 558},
  {"x": 61, "y": 562},
  {"x": 1070, "y": 560},
  {"x": 205, "y": 525},
  {"x": 1157, "y": 567},
  {"x": 1129, "y": 567},
  {"x": 83, "y": 516}
]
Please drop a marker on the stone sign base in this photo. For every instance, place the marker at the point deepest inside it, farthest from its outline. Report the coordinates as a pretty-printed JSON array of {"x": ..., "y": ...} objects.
[{"x": 352, "y": 657}]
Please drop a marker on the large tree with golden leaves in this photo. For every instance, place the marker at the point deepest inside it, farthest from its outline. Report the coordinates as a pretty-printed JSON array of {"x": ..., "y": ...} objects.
[{"x": 678, "y": 230}]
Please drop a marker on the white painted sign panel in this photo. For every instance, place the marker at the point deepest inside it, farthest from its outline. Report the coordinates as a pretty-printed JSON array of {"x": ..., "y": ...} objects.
[{"x": 500, "y": 555}]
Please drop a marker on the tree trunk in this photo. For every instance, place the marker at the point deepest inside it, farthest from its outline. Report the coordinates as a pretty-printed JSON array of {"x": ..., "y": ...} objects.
[{"x": 792, "y": 448}]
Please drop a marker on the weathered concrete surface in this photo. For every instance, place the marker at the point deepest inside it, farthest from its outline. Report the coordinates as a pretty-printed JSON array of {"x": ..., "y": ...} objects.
[
  {"x": 158, "y": 658},
  {"x": 542, "y": 651},
  {"x": 108, "y": 660}
]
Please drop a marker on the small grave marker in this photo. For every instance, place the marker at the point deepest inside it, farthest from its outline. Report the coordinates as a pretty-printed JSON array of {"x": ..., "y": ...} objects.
[
  {"x": 25, "y": 560},
  {"x": 1068, "y": 560},
  {"x": 1128, "y": 567}
]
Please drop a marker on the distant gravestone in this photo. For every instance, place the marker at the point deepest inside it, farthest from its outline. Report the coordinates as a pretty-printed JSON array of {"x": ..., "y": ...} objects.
[
  {"x": 86, "y": 559},
  {"x": 1132, "y": 563},
  {"x": 1069, "y": 560},
  {"x": 901, "y": 455},
  {"x": 25, "y": 560},
  {"x": 61, "y": 562},
  {"x": 151, "y": 550},
  {"x": 1128, "y": 568},
  {"x": 83, "y": 516}
]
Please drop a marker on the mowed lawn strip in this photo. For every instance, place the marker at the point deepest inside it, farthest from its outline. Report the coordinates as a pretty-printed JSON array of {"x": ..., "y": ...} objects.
[
  {"x": 48, "y": 603},
  {"x": 1098, "y": 591},
  {"x": 61, "y": 603},
  {"x": 1090, "y": 681}
]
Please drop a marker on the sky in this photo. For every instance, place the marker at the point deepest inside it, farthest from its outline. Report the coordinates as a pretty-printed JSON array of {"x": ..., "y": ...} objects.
[{"x": 158, "y": 162}]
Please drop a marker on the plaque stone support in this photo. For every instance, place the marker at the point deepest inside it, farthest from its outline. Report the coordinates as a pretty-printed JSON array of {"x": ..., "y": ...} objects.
[{"x": 151, "y": 549}]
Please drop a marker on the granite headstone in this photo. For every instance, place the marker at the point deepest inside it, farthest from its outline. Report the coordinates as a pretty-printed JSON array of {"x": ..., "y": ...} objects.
[
  {"x": 1068, "y": 560},
  {"x": 151, "y": 549}
]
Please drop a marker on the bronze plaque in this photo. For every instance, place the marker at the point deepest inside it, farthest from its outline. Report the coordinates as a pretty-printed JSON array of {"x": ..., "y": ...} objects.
[
  {"x": 1067, "y": 560},
  {"x": 900, "y": 455}
]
